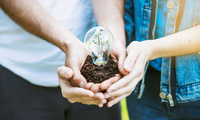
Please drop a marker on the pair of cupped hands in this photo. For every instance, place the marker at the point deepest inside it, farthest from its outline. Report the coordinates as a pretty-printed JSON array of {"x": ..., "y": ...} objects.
[{"x": 74, "y": 87}]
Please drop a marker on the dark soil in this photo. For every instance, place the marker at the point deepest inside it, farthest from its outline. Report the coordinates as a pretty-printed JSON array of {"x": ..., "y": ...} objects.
[{"x": 97, "y": 74}]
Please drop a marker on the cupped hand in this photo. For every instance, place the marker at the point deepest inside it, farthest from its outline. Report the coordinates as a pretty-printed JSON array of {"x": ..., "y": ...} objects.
[
  {"x": 101, "y": 87},
  {"x": 77, "y": 94},
  {"x": 118, "y": 54},
  {"x": 76, "y": 55},
  {"x": 138, "y": 55}
]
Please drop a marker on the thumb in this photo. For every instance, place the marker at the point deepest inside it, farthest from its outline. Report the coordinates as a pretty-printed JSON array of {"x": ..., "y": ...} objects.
[
  {"x": 121, "y": 59},
  {"x": 78, "y": 80},
  {"x": 130, "y": 61},
  {"x": 64, "y": 72}
]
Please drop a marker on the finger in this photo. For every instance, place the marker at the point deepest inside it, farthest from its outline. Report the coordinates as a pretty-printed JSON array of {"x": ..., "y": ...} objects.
[
  {"x": 95, "y": 88},
  {"x": 88, "y": 85},
  {"x": 97, "y": 99},
  {"x": 119, "y": 54},
  {"x": 85, "y": 100},
  {"x": 120, "y": 84},
  {"x": 68, "y": 92},
  {"x": 100, "y": 105},
  {"x": 78, "y": 80},
  {"x": 125, "y": 90},
  {"x": 121, "y": 59},
  {"x": 116, "y": 100},
  {"x": 104, "y": 85},
  {"x": 64, "y": 72},
  {"x": 130, "y": 61},
  {"x": 133, "y": 54},
  {"x": 99, "y": 96},
  {"x": 138, "y": 69}
]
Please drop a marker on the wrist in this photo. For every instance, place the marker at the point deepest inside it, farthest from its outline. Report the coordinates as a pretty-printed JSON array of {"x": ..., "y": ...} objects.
[
  {"x": 120, "y": 38},
  {"x": 67, "y": 41},
  {"x": 154, "y": 48},
  {"x": 150, "y": 48},
  {"x": 117, "y": 32},
  {"x": 120, "y": 42}
]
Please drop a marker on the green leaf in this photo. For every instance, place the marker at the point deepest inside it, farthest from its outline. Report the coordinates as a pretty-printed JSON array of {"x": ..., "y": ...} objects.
[
  {"x": 90, "y": 44},
  {"x": 94, "y": 41},
  {"x": 108, "y": 44},
  {"x": 101, "y": 30},
  {"x": 96, "y": 35}
]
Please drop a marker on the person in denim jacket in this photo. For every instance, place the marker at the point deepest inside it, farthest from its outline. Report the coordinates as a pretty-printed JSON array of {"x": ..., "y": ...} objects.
[{"x": 176, "y": 94}]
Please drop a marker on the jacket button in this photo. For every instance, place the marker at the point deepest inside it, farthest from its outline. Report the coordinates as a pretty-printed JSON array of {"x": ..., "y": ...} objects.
[
  {"x": 162, "y": 95},
  {"x": 170, "y": 4}
]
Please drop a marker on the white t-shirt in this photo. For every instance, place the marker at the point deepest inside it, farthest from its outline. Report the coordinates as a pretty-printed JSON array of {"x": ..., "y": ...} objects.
[{"x": 34, "y": 59}]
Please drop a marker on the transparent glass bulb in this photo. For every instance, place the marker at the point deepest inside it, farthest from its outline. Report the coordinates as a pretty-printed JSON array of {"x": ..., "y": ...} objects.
[{"x": 99, "y": 42}]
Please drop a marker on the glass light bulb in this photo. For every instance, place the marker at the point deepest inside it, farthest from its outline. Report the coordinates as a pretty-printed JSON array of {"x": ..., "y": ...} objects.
[{"x": 99, "y": 42}]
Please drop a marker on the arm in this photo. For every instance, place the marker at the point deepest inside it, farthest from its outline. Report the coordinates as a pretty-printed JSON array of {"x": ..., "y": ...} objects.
[
  {"x": 35, "y": 19},
  {"x": 181, "y": 43},
  {"x": 110, "y": 14}
]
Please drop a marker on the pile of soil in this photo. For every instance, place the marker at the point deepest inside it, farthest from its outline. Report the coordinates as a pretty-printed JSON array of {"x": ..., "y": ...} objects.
[{"x": 97, "y": 74}]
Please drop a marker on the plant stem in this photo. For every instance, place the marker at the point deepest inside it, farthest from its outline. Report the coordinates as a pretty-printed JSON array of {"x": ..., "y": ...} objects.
[{"x": 99, "y": 50}]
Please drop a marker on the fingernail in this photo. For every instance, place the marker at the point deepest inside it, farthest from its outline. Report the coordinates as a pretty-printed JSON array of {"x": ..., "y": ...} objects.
[
  {"x": 110, "y": 89},
  {"x": 68, "y": 72},
  {"x": 100, "y": 105},
  {"x": 82, "y": 84},
  {"x": 110, "y": 105},
  {"x": 104, "y": 101},
  {"x": 107, "y": 96},
  {"x": 128, "y": 68}
]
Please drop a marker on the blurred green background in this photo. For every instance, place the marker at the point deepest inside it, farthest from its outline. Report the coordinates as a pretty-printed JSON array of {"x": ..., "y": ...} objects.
[{"x": 124, "y": 112}]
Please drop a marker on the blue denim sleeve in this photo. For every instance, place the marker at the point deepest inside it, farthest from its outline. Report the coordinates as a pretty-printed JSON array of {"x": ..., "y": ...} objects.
[{"x": 129, "y": 21}]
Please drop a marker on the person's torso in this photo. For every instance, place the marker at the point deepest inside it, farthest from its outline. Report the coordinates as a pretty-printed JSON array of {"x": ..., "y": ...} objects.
[{"x": 187, "y": 66}]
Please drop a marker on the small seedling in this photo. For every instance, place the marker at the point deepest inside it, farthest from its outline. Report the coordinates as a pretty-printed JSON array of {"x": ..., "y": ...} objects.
[
  {"x": 99, "y": 41},
  {"x": 96, "y": 40}
]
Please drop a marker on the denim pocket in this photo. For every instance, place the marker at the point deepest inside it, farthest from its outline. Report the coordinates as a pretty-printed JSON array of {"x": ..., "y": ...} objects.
[{"x": 188, "y": 69}]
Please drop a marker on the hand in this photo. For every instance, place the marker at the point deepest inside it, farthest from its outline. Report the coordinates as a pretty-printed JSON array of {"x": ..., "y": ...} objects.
[
  {"x": 76, "y": 55},
  {"x": 118, "y": 53},
  {"x": 77, "y": 94},
  {"x": 138, "y": 55},
  {"x": 100, "y": 87}
]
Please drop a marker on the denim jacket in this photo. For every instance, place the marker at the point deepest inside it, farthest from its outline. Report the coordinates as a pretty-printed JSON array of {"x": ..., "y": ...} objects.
[{"x": 140, "y": 16}]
